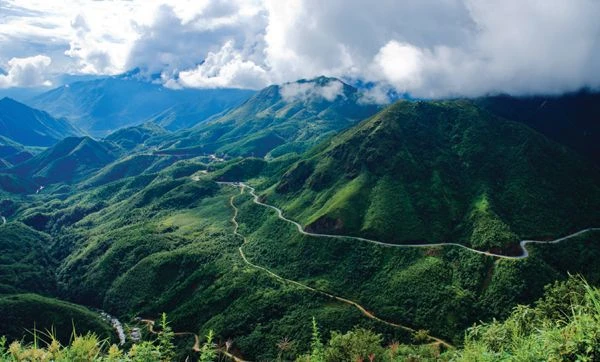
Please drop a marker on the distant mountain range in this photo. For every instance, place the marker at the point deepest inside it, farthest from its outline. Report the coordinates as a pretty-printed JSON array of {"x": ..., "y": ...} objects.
[
  {"x": 12, "y": 153},
  {"x": 100, "y": 106},
  {"x": 31, "y": 127}
]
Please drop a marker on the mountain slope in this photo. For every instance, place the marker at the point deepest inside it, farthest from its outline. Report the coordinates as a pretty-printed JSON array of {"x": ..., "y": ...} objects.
[
  {"x": 31, "y": 127},
  {"x": 131, "y": 138},
  {"x": 281, "y": 119},
  {"x": 70, "y": 160},
  {"x": 570, "y": 119},
  {"x": 12, "y": 153},
  {"x": 442, "y": 171},
  {"x": 103, "y": 105}
]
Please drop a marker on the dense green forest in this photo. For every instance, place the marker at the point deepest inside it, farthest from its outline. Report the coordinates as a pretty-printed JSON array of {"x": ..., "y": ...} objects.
[
  {"x": 138, "y": 224},
  {"x": 562, "y": 325}
]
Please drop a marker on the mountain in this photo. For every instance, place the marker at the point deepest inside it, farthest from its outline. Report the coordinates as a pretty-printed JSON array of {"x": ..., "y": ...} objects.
[
  {"x": 31, "y": 127},
  {"x": 12, "y": 153},
  {"x": 442, "y": 171},
  {"x": 135, "y": 137},
  {"x": 100, "y": 106},
  {"x": 570, "y": 119},
  {"x": 69, "y": 160},
  {"x": 208, "y": 106},
  {"x": 280, "y": 119},
  {"x": 142, "y": 232}
]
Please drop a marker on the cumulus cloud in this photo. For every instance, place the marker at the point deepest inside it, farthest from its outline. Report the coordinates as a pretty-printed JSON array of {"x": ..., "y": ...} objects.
[
  {"x": 225, "y": 68},
  {"x": 428, "y": 48},
  {"x": 311, "y": 90},
  {"x": 26, "y": 72},
  {"x": 221, "y": 34}
]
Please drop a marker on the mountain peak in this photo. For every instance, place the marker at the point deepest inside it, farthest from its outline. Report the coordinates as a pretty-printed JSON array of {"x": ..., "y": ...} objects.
[
  {"x": 316, "y": 89},
  {"x": 8, "y": 100},
  {"x": 320, "y": 80},
  {"x": 139, "y": 74}
]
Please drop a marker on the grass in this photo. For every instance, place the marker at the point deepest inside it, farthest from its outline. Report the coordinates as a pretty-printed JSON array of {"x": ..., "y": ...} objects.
[{"x": 24, "y": 313}]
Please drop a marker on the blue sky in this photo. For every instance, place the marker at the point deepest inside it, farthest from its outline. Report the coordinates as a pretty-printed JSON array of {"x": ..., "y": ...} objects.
[{"x": 430, "y": 48}]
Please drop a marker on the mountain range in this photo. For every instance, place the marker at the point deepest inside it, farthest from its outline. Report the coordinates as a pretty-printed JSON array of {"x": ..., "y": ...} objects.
[
  {"x": 151, "y": 216},
  {"x": 101, "y": 106},
  {"x": 280, "y": 119}
]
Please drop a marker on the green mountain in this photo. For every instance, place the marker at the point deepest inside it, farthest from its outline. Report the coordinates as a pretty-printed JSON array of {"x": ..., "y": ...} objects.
[
  {"x": 21, "y": 313},
  {"x": 101, "y": 106},
  {"x": 441, "y": 172},
  {"x": 72, "y": 159},
  {"x": 12, "y": 153},
  {"x": 31, "y": 127},
  {"x": 26, "y": 265},
  {"x": 136, "y": 225},
  {"x": 132, "y": 138},
  {"x": 280, "y": 119}
]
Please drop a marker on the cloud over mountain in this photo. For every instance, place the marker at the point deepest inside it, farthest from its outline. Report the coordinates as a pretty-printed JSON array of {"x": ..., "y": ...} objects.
[{"x": 429, "y": 48}]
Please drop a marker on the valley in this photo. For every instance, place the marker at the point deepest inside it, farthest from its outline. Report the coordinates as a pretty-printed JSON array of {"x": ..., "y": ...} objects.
[
  {"x": 413, "y": 221},
  {"x": 302, "y": 180}
]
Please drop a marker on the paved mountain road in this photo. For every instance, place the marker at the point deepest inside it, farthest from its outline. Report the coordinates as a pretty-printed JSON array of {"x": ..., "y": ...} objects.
[
  {"x": 298, "y": 284},
  {"x": 522, "y": 244}
]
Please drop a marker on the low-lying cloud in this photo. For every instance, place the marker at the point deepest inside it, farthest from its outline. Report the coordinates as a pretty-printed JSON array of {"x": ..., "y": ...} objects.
[{"x": 310, "y": 90}]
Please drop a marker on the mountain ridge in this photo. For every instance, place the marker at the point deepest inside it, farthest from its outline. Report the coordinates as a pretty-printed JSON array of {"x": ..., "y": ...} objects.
[
  {"x": 32, "y": 127},
  {"x": 447, "y": 148},
  {"x": 280, "y": 119},
  {"x": 101, "y": 106}
]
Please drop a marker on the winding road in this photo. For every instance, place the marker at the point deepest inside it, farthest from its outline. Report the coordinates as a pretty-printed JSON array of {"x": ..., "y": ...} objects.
[
  {"x": 256, "y": 199},
  {"x": 522, "y": 244},
  {"x": 363, "y": 310}
]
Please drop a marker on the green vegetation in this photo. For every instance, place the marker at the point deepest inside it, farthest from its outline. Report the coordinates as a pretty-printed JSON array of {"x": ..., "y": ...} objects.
[
  {"x": 563, "y": 325},
  {"x": 269, "y": 124},
  {"x": 441, "y": 171},
  {"x": 25, "y": 264},
  {"x": 149, "y": 232},
  {"x": 22, "y": 314},
  {"x": 47, "y": 346}
]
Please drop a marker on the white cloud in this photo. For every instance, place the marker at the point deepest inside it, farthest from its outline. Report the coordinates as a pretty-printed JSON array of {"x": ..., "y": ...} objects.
[
  {"x": 219, "y": 28},
  {"x": 311, "y": 90},
  {"x": 400, "y": 64},
  {"x": 26, "y": 72},
  {"x": 225, "y": 68},
  {"x": 430, "y": 48}
]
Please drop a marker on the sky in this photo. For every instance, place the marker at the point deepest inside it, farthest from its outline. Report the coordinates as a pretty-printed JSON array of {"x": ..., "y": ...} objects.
[{"x": 428, "y": 48}]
